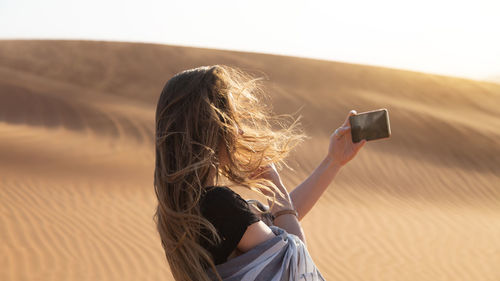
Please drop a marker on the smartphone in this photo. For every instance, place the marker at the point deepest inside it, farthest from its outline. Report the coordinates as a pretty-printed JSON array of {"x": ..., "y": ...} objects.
[{"x": 370, "y": 125}]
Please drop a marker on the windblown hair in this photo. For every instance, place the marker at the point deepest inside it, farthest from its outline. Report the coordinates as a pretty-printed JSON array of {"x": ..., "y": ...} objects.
[{"x": 199, "y": 112}]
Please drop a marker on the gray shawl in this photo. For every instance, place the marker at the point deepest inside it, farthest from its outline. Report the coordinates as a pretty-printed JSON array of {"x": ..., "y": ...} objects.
[{"x": 282, "y": 258}]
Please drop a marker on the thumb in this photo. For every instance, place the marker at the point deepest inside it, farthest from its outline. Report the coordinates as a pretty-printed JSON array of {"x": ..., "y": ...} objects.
[{"x": 351, "y": 113}]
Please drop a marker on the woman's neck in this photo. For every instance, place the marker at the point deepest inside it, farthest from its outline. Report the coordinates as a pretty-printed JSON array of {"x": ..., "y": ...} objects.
[{"x": 211, "y": 179}]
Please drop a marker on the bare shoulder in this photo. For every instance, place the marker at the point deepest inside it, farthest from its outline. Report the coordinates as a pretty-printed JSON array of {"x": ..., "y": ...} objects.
[{"x": 255, "y": 234}]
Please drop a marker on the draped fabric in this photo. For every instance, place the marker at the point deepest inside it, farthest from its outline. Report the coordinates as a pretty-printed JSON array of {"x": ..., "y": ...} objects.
[{"x": 282, "y": 258}]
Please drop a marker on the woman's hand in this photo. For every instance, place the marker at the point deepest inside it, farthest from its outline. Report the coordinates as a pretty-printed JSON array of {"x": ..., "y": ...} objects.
[
  {"x": 342, "y": 149},
  {"x": 288, "y": 222},
  {"x": 270, "y": 173}
]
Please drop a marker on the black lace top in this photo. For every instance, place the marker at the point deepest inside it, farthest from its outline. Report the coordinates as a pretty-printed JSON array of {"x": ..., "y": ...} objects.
[{"x": 230, "y": 214}]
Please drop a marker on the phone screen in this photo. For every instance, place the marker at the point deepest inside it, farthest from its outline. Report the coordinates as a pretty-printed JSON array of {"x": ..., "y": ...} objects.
[{"x": 370, "y": 125}]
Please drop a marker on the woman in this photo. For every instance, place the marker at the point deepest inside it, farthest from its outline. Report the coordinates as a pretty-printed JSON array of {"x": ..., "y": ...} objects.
[{"x": 211, "y": 122}]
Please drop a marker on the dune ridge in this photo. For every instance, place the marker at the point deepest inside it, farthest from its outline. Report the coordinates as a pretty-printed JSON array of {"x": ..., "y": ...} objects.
[{"x": 76, "y": 181}]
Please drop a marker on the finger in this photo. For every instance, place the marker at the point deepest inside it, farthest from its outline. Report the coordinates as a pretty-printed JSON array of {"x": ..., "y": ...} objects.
[
  {"x": 259, "y": 172},
  {"x": 360, "y": 144},
  {"x": 342, "y": 131},
  {"x": 346, "y": 122},
  {"x": 348, "y": 134}
]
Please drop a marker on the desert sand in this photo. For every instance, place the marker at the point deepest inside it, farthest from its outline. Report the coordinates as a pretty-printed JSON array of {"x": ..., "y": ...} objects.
[{"x": 77, "y": 161}]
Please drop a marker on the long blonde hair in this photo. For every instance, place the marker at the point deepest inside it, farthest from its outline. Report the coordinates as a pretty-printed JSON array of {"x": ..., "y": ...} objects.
[{"x": 196, "y": 111}]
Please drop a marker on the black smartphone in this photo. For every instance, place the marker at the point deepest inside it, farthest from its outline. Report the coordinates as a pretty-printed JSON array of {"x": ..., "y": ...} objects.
[{"x": 370, "y": 125}]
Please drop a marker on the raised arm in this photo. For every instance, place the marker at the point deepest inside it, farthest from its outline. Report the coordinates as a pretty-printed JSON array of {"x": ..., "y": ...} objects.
[
  {"x": 288, "y": 222},
  {"x": 340, "y": 151}
]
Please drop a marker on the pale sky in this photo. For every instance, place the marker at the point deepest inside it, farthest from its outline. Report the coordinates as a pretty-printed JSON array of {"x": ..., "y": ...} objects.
[{"x": 450, "y": 37}]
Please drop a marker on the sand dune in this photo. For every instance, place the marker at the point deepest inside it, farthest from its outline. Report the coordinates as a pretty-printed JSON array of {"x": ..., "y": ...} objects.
[{"x": 77, "y": 156}]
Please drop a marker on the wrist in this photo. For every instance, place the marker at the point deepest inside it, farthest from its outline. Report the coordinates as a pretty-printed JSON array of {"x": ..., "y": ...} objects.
[
  {"x": 331, "y": 162},
  {"x": 285, "y": 212},
  {"x": 281, "y": 205}
]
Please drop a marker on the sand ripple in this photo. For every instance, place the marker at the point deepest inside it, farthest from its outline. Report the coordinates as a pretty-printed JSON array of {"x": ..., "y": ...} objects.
[{"x": 77, "y": 156}]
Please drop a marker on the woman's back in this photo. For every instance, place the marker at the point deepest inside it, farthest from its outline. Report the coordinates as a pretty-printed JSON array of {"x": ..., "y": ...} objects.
[{"x": 230, "y": 214}]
